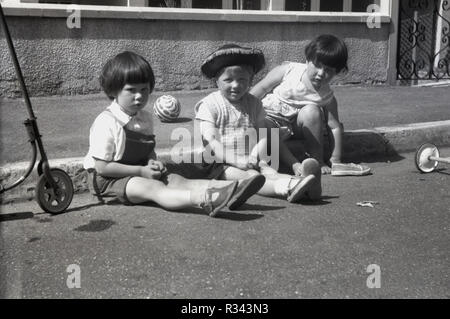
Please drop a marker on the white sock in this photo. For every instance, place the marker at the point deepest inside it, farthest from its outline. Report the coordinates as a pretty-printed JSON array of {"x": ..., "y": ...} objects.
[
  {"x": 281, "y": 186},
  {"x": 200, "y": 199}
]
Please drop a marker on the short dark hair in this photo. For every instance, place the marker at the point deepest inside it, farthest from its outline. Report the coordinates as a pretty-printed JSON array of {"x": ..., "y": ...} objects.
[
  {"x": 328, "y": 50},
  {"x": 126, "y": 67}
]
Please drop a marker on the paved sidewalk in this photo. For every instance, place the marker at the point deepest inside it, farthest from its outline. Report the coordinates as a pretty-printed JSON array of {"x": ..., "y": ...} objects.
[{"x": 380, "y": 122}]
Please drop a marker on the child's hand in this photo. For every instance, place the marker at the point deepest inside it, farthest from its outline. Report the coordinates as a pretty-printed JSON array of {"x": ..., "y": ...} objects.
[
  {"x": 297, "y": 168},
  {"x": 285, "y": 133},
  {"x": 150, "y": 173},
  {"x": 325, "y": 169},
  {"x": 241, "y": 163},
  {"x": 157, "y": 166},
  {"x": 252, "y": 162}
]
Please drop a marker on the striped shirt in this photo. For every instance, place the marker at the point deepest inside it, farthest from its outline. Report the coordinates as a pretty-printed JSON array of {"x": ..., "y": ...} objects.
[{"x": 233, "y": 121}]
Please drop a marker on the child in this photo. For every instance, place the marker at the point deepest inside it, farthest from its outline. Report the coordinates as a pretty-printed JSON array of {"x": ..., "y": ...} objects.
[
  {"x": 121, "y": 160},
  {"x": 303, "y": 104},
  {"x": 226, "y": 117}
]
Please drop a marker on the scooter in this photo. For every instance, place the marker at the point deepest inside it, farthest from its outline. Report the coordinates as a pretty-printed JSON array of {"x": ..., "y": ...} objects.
[
  {"x": 54, "y": 189},
  {"x": 428, "y": 158}
]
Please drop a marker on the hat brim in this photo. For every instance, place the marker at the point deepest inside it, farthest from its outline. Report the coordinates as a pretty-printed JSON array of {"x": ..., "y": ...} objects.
[{"x": 232, "y": 56}]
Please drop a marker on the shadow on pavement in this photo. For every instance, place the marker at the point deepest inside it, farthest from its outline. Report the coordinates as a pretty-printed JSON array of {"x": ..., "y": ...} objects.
[
  {"x": 316, "y": 203},
  {"x": 179, "y": 120},
  {"x": 375, "y": 158},
  {"x": 362, "y": 146},
  {"x": 238, "y": 216},
  {"x": 241, "y": 217},
  {"x": 247, "y": 206},
  {"x": 321, "y": 202},
  {"x": 442, "y": 171},
  {"x": 15, "y": 216},
  {"x": 75, "y": 209},
  {"x": 369, "y": 147}
]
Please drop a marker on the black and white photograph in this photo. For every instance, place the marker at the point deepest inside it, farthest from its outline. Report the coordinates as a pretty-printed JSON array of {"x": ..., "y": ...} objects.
[{"x": 225, "y": 156}]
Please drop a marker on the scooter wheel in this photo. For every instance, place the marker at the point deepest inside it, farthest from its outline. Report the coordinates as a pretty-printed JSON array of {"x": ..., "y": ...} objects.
[
  {"x": 52, "y": 200},
  {"x": 422, "y": 159}
]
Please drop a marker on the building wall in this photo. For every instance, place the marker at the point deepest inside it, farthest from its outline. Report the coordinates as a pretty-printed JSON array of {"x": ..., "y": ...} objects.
[{"x": 59, "y": 60}]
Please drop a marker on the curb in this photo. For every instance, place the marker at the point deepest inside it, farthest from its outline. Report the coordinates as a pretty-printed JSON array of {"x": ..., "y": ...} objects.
[{"x": 359, "y": 145}]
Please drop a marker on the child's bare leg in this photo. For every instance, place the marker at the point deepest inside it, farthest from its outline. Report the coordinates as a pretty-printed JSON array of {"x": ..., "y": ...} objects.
[
  {"x": 276, "y": 184},
  {"x": 285, "y": 155},
  {"x": 140, "y": 190},
  {"x": 178, "y": 181},
  {"x": 292, "y": 188},
  {"x": 233, "y": 173},
  {"x": 310, "y": 128},
  {"x": 309, "y": 167}
]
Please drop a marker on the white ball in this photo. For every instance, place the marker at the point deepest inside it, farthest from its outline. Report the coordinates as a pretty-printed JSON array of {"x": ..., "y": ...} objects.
[{"x": 167, "y": 108}]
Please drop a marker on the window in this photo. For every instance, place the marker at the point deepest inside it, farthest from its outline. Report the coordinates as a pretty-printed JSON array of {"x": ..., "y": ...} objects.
[
  {"x": 246, "y": 5},
  {"x": 333, "y": 5},
  {"x": 207, "y": 4},
  {"x": 165, "y": 3},
  {"x": 325, "y": 5},
  {"x": 60, "y": 2},
  {"x": 362, "y": 5},
  {"x": 298, "y": 5},
  {"x": 82, "y": 2}
]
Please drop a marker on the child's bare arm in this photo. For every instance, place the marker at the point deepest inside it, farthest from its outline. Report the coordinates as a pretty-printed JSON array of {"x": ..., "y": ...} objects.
[
  {"x": 259, "y": 153},
  {"x": 118, "y": 170},
  {"x": 260, "y": 150},
  {"x": 336, "y": 129},
  {"x": 209, "y": 133},
  {"x": 272, "y": 79}
]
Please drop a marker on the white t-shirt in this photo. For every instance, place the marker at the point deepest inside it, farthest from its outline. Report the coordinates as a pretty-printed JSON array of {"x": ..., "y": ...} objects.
[
  {"x": 294, "y": 92},
  {"x": 107, "y": 136}
]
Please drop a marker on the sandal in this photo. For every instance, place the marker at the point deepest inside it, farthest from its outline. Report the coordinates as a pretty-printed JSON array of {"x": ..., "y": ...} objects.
[
  {"x": 312, "y": 166},
  {"x": 225, "y": 193},
  {"x": 245, "y": 190},
  {"x": 301, "y": 188}
]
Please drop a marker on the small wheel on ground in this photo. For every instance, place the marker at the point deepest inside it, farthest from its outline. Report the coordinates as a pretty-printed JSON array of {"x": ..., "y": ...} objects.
[
  {"x": 422, "y": 159},
  {"x": 52, "y": 200}
]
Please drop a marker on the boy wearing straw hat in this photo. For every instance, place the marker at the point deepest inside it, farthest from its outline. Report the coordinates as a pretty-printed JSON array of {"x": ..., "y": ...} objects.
[{"x": 231, "y": 117}]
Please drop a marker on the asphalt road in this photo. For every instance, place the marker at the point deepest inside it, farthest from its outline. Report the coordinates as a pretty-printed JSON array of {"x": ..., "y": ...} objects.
[{"x": 270, "y": 249}]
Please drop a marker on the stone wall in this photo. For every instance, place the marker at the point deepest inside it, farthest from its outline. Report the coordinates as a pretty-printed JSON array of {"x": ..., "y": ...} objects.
[{"x": 58, "y": 60}]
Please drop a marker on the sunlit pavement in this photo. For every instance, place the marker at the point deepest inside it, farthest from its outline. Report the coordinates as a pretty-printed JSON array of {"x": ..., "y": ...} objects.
[{"x": 270, "y": 249}]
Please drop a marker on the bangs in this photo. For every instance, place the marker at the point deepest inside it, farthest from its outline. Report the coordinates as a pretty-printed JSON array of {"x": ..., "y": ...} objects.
[
  {"x": 126, "y": 67},
  {"x": 335, "y": 58},
  {"x": 328, "y": 50},
  {"x": 137, "y": 71}
]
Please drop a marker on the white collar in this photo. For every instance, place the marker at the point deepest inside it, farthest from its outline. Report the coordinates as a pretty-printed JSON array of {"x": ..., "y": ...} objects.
[{"x": 120, "y": 115}]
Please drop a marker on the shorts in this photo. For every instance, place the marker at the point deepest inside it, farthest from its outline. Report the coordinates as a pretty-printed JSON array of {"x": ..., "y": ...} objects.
[
  {"x": 279, "y": 121},
  {"x": 102, "y": 186},
  {"x": 197, "y": 170}
]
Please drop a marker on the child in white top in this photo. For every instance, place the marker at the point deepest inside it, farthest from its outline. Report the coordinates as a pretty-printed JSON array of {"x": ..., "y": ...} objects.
[
  {"x": 302, "y": 103},
  {"x": 121, "y": 160},
  {"x": 230, "y": 117}
]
